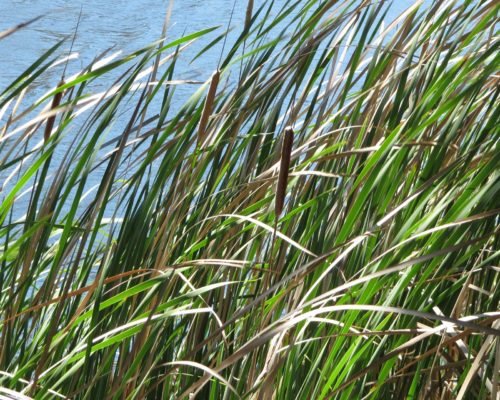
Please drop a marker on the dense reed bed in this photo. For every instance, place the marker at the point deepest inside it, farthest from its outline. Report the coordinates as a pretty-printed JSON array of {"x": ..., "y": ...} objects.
[{"x": 319, "y": 220}]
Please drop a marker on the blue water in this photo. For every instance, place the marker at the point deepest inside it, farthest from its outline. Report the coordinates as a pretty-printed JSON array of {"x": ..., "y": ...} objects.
[
  {"x": 119, "y": 24},
  {"x": 125, "y": 25},
  {"x": 122, "y": 24}
]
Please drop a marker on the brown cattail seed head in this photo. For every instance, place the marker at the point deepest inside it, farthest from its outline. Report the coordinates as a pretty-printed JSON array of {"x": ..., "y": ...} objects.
[
  {"x": 56, "y": 100},
  {"x": 207, "y": 108},
  {"x": 286, "y": 153},
  {"x": 248, "y": 16}
]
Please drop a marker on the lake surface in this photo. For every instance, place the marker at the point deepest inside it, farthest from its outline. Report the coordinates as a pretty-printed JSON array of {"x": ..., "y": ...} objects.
[
  {"x": 121, "y": 24},
  {"x": 118, "y": 24}
]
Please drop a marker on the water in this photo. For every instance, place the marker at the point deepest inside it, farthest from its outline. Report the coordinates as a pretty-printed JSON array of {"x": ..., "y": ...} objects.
[
  {"x": 122, "y": 25},
  {"x": 118, "y": 24}
]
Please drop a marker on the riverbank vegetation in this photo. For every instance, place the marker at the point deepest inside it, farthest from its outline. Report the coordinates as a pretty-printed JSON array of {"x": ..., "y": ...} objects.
[{"x": 318, "y": 220}]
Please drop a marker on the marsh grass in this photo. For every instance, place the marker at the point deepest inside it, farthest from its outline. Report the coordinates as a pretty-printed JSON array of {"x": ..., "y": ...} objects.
[{"x": 157, "y": 251}]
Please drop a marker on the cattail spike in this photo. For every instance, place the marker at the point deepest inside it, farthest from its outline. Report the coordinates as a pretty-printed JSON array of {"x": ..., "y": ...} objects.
[
  {"x": 248, "y": 17},
  {"x": 286, "y": 153},
  {"x": 207, "y": 108},
  {"x": 56, "y": 100}
]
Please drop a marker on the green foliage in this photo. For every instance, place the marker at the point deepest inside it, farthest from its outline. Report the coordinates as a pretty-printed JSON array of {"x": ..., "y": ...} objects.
[{"x": 172, "y": 276}]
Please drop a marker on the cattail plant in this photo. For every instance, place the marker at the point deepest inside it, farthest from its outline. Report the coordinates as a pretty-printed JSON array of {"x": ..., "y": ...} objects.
[
  {"x": 286, "y": 153},
  {"x": 56, "y": 100},
  {"x": 150, "y": 279},
  {"x": 208, "y": 106},
  {"x": 248, "y": 14}
]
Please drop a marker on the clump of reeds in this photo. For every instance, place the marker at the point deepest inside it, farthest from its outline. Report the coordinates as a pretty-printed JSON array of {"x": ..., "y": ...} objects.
[{"x": 133, "y": 268}]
